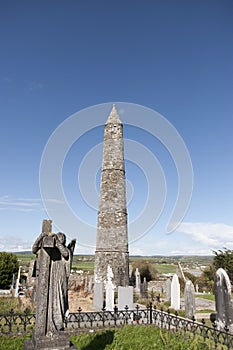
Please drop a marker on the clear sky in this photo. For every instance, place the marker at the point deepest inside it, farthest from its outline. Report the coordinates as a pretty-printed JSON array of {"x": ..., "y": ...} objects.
[{"x": 174, "y": 57}]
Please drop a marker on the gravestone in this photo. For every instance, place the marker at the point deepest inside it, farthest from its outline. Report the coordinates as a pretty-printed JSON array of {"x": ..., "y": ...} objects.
[
  {"x": 130, "y": 270},
  {"x": 168, "y": 289},
  {"x": 90, "y": 284},
  {"x": 143, "y": 288},
  {"x": 223, "y": 300},
  {"x": 53, "y": 269},
  {"x": 189, "y": 299},
  {"x": 109, "y": 288},
  {"x": 98, "y": 301},
  {"x": 175, "y": 292},
  {"x": 17, "y": 284},
  {"x": 138, "y": 281},
  {"x": 125, "y": 297}
]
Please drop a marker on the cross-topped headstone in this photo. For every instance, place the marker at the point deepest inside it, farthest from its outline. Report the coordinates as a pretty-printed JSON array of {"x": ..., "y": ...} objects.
[{"x": 53, "y": 269}]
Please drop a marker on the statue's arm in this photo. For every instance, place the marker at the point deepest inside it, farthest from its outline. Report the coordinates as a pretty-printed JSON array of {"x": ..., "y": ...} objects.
[
  {"x": 37, "y": 245},
  {"x": 62, "y": 248}
]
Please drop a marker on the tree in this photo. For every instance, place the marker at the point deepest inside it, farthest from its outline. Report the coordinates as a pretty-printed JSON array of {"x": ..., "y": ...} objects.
[
  {"x": 206, "y": 280},
  {"x": 146, "y": 269},
  {"x": 8, "y": 266},
  {"x": 224, "y": 259}
]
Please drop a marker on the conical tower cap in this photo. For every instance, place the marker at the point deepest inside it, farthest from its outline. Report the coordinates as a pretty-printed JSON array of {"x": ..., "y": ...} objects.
[{"x": 113, "y": 116}]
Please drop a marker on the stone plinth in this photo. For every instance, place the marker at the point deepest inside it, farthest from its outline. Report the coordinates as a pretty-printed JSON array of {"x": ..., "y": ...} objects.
[{"x": 58, "y": 341}]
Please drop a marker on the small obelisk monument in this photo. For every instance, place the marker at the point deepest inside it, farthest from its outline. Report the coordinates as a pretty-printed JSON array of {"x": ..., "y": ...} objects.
[{"x": 112, "y": 231}]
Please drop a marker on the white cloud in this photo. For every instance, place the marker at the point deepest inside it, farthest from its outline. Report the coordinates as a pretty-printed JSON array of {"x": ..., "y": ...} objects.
[
  {"x": 14, "y": 244},
  {"x": 24, "y": 204},
  {"x": 136, "y": 251},
  {"x": 209, "y": 235},
  {"x": 186, "y": 251}
]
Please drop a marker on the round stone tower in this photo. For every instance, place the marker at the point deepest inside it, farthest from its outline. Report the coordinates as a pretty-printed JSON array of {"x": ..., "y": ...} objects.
[{"x": 112, "y": 232}]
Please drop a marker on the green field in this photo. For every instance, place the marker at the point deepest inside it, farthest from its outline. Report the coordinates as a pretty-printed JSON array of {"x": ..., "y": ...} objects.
[
  {"x": 164, "y": 264},
  {"x": 166, "y": 268},
  {"x": 83, "y": 265},
  {"x": 25, "y": 257}
]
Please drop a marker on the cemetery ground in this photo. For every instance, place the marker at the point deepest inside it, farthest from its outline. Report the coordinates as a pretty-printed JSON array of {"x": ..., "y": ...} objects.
[
  {"x": 128, "y": 337},
  {"x": 144, "y": 337}
]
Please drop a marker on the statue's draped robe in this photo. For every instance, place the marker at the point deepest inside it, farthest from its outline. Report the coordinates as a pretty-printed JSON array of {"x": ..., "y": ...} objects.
[{"x": 58, "y": 288}]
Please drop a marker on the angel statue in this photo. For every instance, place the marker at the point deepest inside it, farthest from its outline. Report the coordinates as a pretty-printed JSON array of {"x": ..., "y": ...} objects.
[{"x": 54, "y": 261}]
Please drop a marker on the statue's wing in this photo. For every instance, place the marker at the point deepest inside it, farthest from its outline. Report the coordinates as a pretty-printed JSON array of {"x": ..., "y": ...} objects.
[{"x": 71, "y": 246}]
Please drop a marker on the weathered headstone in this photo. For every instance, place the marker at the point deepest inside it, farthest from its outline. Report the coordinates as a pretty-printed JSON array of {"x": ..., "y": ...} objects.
[
  {"x": 175, "y": 292},
  {"x": 189, "y": 299},
  {"x": 138, "y": 281},
  {"x": 85, "y": 284},
  {"x": 125, "y": 297},
  {"x": 109, "y": 288},
  {"x": 90, "y": 284},
  {"x": 130, "y": 270},
  {"x": 223, "y": 300},
  {"x": 143, "y": 288},
  {"x": 98, "y": 301},
  {"x": 168, "y": 289},
  {"x": 53, "y": 269}
]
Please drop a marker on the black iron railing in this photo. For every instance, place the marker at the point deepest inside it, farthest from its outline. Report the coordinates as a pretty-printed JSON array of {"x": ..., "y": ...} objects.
[
  {"x": 17, "y": 323},
  {"x": 13, "y": 323},
  {"x": 151, "y": 316}
]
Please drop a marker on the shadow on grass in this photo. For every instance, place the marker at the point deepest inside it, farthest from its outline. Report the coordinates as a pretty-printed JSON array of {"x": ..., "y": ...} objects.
[{"x": 100, "y": 341}]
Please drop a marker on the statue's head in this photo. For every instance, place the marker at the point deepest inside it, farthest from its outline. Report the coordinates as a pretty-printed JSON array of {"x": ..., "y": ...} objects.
[{"x": 62, "y": 238}]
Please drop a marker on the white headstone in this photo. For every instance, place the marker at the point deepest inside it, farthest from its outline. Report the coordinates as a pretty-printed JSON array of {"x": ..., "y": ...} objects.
[
  {"x": 175, "y": 292},
  {"x": 17, "y": 284},
  {"x": 125, "y": 297},
  {"x": 138, "y": 281},
  {"x": 109, "y": 288},
  {"x": 98, "y": 300}
]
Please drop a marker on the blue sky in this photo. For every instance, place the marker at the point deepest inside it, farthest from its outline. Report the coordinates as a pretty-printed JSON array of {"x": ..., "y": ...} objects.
[{"x": 174, "y": 57}]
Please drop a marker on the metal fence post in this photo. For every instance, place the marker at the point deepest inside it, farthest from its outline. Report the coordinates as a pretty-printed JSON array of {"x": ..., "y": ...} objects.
[{"x": 150, "y": 313}]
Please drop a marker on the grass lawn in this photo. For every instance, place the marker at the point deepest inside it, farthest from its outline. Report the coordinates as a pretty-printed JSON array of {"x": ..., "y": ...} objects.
[
  {"x": 205, "y": 296},
  {"x": 135, "y": 337},
  {"x": 125, "y": 338},
  {"x": 12, "y": 342}
]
